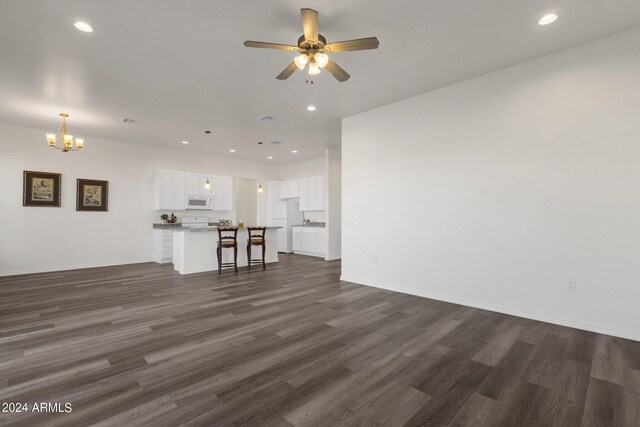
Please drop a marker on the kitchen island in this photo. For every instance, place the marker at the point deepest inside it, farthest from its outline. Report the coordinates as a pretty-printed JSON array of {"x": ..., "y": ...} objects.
[{"x": 194, "y": 249}]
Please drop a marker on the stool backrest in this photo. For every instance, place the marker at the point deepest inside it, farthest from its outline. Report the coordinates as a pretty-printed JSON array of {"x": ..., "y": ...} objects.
[
  {"x": 259, "y": 232},
  {"x": 227, "y": 234}
]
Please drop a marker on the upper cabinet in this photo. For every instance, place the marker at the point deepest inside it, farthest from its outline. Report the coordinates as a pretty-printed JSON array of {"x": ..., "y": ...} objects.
[
  {"x": 311, "y": 191},
  {"x": 179, "y": 191},
  {"x": 196, "y": 183},
  {"x": 174, "y": 188},
  {"x": 170, "y": 191},
  {"x": 222, "y": 193},
  {"x": 289, "y": 189}
]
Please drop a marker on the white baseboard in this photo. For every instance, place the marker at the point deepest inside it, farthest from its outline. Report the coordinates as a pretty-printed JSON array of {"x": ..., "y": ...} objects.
[
  {"x": 543, "y": 317},
  {"x": 69, "y": 267},
  {"x": 315, "y": 254}
]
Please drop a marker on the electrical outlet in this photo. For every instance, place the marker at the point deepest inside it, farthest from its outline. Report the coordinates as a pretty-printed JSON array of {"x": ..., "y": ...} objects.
[{"x": 573, "y": 286}]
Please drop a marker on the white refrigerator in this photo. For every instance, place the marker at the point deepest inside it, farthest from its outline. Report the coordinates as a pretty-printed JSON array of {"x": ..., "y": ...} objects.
[{"x": 286, "y": 214}]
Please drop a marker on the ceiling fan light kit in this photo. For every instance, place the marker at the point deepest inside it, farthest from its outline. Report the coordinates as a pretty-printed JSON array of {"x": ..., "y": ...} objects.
[{"x": 312, "y": 48}]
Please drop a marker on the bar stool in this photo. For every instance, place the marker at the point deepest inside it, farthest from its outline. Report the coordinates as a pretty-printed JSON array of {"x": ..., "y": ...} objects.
[
  {"x": 227, "y": 238},
  {"x": 256, "y": 240}
]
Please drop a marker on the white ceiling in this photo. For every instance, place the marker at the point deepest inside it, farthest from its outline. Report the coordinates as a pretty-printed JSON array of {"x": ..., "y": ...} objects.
[{"x": 179, "y": 67}]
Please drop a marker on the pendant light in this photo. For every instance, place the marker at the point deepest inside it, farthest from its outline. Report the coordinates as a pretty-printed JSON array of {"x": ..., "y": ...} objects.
[
  {"x": 260, "y": 188},
  {"x": 207, "y": 183}
]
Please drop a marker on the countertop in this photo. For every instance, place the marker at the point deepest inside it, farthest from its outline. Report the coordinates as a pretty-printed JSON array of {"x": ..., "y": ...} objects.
[
  {"x": 313, "y": 224},
  {"x": 212, "y": 227}
]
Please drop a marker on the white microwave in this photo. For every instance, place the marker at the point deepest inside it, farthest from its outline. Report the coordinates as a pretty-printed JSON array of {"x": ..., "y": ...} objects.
[{"x": 199, "y": 201}]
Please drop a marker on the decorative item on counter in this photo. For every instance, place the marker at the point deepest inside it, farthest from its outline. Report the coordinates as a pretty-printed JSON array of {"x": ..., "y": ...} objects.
[
  {"x": 241, "y": 224},
  {"x": 164, "y": 217},
  {"x": 224, "y": 222},
  {"x": 173, "y": 219}
]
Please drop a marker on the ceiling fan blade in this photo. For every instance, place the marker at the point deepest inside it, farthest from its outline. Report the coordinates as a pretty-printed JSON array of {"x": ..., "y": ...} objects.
[
  {"x": 286, "y": 73},
  {"x": 357, "y": 44},
  {"x": 310, "y": 24},
  {"x": 265, "y": 45},
  {"x": 340, "y": 74}
]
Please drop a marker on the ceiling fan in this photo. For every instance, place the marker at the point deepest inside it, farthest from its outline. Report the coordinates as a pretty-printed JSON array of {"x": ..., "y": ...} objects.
[{"x": 313, "y": 47}]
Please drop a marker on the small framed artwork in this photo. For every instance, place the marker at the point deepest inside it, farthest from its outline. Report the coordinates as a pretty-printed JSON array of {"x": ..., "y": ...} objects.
[
  {"x": 92, "y": 195},
  {"x": 41, "y": 189}
]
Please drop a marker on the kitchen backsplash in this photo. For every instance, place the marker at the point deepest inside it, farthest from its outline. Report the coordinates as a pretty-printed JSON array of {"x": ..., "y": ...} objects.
[{"x": 315, "y": 216}]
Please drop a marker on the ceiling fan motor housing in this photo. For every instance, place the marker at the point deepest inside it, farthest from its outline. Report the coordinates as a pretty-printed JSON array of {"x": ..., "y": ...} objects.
[{"x": 305, "y": 44}]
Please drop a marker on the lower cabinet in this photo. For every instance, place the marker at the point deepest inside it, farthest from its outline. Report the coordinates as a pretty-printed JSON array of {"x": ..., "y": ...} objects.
[
  {"x": 310, "y": 241},
  {"x": 162, "y": 246},
  {"x": 296, "y": 240}
]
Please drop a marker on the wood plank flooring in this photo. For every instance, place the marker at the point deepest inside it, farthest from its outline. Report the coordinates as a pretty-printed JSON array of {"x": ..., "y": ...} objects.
[{"x": 292, "y": 345}]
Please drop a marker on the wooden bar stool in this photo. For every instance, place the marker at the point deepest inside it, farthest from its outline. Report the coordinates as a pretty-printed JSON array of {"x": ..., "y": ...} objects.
[
  {"x": 256, "y": 239},
  {"x": 227, "y": 238}
]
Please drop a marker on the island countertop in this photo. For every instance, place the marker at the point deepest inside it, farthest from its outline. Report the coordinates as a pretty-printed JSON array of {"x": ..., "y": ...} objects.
[
  {"x": 195, "y": 250},
  {"x": 211, "y": 227}
]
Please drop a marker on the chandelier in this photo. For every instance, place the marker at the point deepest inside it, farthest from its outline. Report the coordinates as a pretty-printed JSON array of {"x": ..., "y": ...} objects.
[{"x": 67, "y": 140}]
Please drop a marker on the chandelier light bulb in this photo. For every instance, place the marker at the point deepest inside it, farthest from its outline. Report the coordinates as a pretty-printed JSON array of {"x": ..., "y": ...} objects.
[
  {"x": 207, "y": 184},
  {"x": 79, "y": 142},
  {"x": 301, "y": 61},
  {"x": 51, "y": 139},
  {"x": 313, "y": 68},
  {"x": 321, "y": 59},
  {"x": 260, "y": 189}
]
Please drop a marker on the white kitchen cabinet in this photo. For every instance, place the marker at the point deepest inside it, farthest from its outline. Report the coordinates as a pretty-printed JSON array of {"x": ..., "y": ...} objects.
[
  {"x": 297, "y": 239},
  {"x": 196, "y": 182},
  {"x": 321, "y": 244},
  {"x": 179, "y": 191},
  {"x": 222, "y": 193},
  {"x": 311, "y": 191},
  {"x": 274, "y": 190},
  {"x": 273, "y": 196},
  {"x": 163, "y": 198},
  {"x": 303, "y": 192},
  {"x": 162, "y": 246},
  {"x": 309, "y": 241},
  {"x": 319, "y": 194},
  {"x": 289, "y": 189},
  {"x": 170, "y": 191}
]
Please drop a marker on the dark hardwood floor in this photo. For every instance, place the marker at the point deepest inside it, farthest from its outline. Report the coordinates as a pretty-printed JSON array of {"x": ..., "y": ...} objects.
[{"x": 142, "y": 345}]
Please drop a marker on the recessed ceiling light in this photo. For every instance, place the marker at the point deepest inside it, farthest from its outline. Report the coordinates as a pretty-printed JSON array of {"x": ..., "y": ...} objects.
[
  {"x": 270, "y": 157},
  {"x": 295, "y": 151},
  {"x": 83, "y": 26},
  {"x": 311, "y": 108},
  {"x": 185, "y": 142},
  {"x": 232, "y": 151},
  {"x": 547, "y": 19}
]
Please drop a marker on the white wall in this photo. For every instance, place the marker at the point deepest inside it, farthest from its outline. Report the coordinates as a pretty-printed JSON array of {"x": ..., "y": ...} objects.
[
  {"x": 246, "y": 202},
  {"x": 333, "y": 203},
  {"x": 498, "y": 191},
  {"x": 304, "y": 169},
  {"x": 45, "y": 239}
]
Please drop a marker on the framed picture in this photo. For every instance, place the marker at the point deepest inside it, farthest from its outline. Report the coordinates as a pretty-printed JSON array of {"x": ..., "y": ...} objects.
[
  {"x": 41, "y": 189},
  {"x": 92, "y": 195}
]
